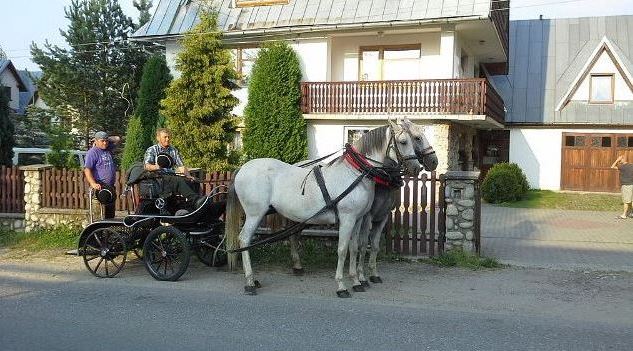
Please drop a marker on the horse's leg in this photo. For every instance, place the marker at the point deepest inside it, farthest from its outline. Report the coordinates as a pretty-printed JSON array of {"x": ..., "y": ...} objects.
[
  {"x": 353, "y": 256},
  {"x": 345, "y": 229},
  {"x": 297, "y": 269},
  {"x": 363, "y": 237},
  {"x": 376, "y": 234},
  {"x": 250, "y": 225}
]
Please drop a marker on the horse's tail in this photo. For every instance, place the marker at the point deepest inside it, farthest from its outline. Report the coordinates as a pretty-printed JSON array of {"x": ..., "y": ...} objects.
[{"x": 232, "y": 224}]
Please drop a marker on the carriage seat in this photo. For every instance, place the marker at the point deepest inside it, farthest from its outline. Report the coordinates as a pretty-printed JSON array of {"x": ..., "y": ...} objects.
[{"x": 147, "y": 187}]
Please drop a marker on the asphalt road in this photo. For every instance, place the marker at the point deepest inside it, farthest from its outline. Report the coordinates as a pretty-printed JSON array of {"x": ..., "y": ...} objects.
[{"x": 64, "y": 308}]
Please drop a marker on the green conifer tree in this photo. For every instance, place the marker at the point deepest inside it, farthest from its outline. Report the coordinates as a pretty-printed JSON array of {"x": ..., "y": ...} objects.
[
  {"x": 142, "y": 126},
  {"x": 274, "y": 124},
  {"x": 199, "y": 103},
  {"x": 6, "y": 130}
]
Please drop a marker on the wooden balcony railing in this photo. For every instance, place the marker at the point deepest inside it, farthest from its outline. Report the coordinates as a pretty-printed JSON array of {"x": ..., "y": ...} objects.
[{"x": 473, "y": 96}]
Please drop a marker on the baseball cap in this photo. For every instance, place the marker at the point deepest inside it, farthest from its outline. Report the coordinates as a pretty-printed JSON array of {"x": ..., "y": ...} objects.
[{"x": 101, "y": 135}]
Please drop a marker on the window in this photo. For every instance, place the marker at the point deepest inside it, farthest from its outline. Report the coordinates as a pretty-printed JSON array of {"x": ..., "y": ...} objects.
[
  {"x": 624, "y": 141},
  {"x": 249, "y": 3},
  {"x": 352, "y": 134},
  {"x": 400, "y": 62},
  {"x": 600, "y": 141},
  {"x": 601, "y": 88},
  {"x": 7, "y": 92},
  {"x": 574, "y": 140},
  {"x": 244, "y": 61}
]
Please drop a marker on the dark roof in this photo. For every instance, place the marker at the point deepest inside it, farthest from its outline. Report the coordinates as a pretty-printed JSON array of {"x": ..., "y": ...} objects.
[
  {"x": 173, "y": 17},
  {"x": 546, "y": 57}
]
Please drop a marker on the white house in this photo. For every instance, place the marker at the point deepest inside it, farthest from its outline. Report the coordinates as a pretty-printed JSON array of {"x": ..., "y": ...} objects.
[
  {"x": 12, "y": 82},
  {"x": 569, "y": 101},
  {"x": 364, "y": 61}
]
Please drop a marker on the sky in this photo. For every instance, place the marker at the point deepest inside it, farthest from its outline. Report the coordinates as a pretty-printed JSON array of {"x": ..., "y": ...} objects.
[{"x": 39, "y": 20}]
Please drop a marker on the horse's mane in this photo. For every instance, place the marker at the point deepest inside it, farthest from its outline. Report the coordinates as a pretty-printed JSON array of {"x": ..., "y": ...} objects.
[{"x": 373, "y": 140}]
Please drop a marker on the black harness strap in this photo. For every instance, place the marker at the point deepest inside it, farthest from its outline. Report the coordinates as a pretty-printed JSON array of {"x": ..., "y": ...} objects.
[{"x": 326, "y": 195}]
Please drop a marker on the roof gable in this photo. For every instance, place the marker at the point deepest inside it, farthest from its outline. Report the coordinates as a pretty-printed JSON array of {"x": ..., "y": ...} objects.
[
  {"x": 8, "y": 65},
  {"x": 621, "y": 62}
]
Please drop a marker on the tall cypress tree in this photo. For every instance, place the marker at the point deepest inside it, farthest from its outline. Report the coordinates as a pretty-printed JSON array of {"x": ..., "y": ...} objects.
[
  {"x": 6, "y": 130},
  {"x": 274, "y": 124},
  {"x": 199, "y": 103},
  {"x": 88, "y": 83},
  {"x": 142, "y": 126}
]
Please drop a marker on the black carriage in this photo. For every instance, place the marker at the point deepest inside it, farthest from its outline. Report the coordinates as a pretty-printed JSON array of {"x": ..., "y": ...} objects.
[{"x": 163, "y": 231}]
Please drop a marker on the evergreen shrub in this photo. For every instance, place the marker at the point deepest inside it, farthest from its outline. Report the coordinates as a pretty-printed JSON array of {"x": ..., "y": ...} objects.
[{"x": 505, "y": 182}]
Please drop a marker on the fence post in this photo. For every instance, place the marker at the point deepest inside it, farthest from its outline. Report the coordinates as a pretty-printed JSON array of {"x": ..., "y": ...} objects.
[
  {"x": 462, "y": 209},
  {"x": 32, "y": 195}
]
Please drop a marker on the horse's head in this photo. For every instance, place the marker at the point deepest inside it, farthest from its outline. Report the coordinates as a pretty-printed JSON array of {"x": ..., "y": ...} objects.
[
  {"x": 402, "y": 148},
  {"x": 423, "y": 149}
]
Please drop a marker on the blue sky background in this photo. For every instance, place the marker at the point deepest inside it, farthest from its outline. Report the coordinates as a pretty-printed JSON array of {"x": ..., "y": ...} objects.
[{"x": 25, "y": 21}]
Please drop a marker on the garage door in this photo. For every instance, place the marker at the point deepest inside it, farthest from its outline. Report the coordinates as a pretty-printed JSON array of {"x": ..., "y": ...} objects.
[{"x": 586, "y": 160}]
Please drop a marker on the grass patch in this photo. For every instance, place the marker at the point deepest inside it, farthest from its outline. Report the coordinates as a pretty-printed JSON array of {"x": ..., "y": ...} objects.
[
  {"x": 458, "y": 258},
  {"x": 568, "y": 201},
  {"x": 314, "y": 253},
  {"x": 42, "y": 239}
]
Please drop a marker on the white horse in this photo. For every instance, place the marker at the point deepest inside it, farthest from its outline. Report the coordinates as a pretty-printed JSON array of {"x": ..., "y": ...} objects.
[
  {"x": 294, "y": 193},
  {"x": 374, "y": 221}
]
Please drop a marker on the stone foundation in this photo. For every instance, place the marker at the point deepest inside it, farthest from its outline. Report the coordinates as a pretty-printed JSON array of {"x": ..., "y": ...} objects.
[
  {"x": 462, "y": 223},
  {"x": 13, "y": 221}
]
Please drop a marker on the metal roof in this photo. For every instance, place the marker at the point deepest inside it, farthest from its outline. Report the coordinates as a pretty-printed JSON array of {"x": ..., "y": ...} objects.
[
  {"x": 546, "y": 57},
  {"x": 173, "y": 17}
]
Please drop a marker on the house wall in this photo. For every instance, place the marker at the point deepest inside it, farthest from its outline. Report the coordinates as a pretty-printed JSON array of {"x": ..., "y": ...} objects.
[
  {"x": 8, "y": 80},
  {"x": 604, "y": 64},
  {"x": 538, "y": 152}
]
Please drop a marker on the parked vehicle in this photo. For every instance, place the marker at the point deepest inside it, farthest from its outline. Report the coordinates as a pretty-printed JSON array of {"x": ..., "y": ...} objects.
[{"x": 23, "y": 156}]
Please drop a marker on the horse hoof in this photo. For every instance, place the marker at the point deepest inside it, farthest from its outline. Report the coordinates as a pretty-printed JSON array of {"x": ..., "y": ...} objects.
[
  {"x": 375, "y": 279},
  {"x": 358, "y": 288},
  {"x": 298, "y": 271},
  {"x": 250, "y": 290},
  {"x": 257, "y": 284},
  {"x": 365, "y": 283},
  {"x": 343, "y": 294}
]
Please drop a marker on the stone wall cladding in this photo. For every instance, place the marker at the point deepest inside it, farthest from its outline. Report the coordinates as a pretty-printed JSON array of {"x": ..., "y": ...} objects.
[
  {"x": 12, "y": 221},
  {"x": 460, "y": 210}
]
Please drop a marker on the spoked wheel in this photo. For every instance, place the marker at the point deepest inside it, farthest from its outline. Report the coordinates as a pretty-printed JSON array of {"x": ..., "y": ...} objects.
[
  {"x": 212, "y": 252},
  {"x": 166, "y": 253},
  {"x": 104, "y": 253}
]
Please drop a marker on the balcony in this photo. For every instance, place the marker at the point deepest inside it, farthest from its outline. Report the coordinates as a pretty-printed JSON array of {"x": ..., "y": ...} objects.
[{"x": 438, "y": 97}]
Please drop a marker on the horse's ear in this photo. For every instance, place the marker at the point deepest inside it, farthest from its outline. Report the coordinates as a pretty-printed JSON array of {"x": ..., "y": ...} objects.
[{"x": 394, "y": 126}]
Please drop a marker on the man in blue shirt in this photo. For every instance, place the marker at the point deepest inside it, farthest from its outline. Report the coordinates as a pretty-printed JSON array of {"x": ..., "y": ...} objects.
[
  {"x": 171, "y": 182},
  {"x": 99, "y": 167}
]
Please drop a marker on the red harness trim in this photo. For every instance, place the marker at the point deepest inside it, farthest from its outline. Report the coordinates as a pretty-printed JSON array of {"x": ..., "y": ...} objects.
[{"x": 364, "y": 162}]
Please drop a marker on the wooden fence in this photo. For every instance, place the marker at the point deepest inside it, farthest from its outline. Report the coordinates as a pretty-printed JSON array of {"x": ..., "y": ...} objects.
[{"x": 11, "y": 190}]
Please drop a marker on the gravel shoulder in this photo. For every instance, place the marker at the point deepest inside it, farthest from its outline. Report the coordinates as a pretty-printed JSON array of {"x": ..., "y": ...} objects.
[{"x": 574, "y": 295}]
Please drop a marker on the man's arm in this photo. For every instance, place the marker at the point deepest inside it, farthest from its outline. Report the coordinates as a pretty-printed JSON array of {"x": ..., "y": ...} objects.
[
  {"x": 91, "y": 180},
  {"x": 148, "y": 160},
  {"x": 616, "y": 163}
]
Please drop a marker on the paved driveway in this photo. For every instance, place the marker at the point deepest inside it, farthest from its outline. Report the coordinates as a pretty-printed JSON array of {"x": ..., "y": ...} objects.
[{"x": 557, "y": 238}]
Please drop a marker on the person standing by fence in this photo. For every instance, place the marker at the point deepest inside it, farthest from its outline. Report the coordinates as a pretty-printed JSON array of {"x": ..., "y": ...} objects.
[
  {"x": 626, "y": 181},
  {"x": 100, "y": 170}
]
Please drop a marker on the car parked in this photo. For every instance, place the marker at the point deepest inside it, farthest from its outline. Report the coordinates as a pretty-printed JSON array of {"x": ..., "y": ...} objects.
[{"x": 23, "y": 156}]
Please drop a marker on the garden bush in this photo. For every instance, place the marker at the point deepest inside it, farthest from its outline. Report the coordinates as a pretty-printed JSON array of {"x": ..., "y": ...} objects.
[{"x": 505, "y": 182}]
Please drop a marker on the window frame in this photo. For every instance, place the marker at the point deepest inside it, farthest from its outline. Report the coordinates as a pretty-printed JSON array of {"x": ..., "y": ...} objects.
[
  {"x": 239, "y": 62},
  {"x": 381, "y": 55},
  {"x": 347, "y": 129},
  {"x": 254, "y": 3},
  {"x": 610, "y": 75}
]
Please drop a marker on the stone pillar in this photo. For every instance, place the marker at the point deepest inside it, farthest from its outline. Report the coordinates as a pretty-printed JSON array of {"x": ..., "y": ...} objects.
[
  {"x": 462, "y": 210},
  {"x": 32, "y": 195}
]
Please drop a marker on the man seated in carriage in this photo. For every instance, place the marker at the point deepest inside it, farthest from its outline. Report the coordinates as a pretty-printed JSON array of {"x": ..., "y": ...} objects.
[{"x": 165, "y": 159}]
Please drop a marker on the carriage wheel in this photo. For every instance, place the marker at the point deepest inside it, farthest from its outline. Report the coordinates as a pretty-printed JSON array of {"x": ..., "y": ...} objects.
[
  {"x": 207, "y": 253},
  {"x": 104, "y": 253},
  {"x": 166, "y": 253}
]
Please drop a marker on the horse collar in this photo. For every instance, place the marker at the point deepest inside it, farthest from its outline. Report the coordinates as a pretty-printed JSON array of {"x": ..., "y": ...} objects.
[{"x": 359, "y": 162}]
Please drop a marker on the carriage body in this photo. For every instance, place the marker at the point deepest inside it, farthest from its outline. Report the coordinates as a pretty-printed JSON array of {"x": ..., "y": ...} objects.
[{"x": 164, "y": 232}]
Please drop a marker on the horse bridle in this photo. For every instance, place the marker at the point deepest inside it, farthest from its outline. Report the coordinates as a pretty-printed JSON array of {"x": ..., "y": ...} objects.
[{"x": 419, "y": 155}]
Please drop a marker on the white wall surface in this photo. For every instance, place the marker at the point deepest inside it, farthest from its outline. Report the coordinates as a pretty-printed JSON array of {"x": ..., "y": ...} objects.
[
  {"x": 538, "y": 153},
  {"x": 8, "y": 80},
  {"x": 604, "y": 64}
]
